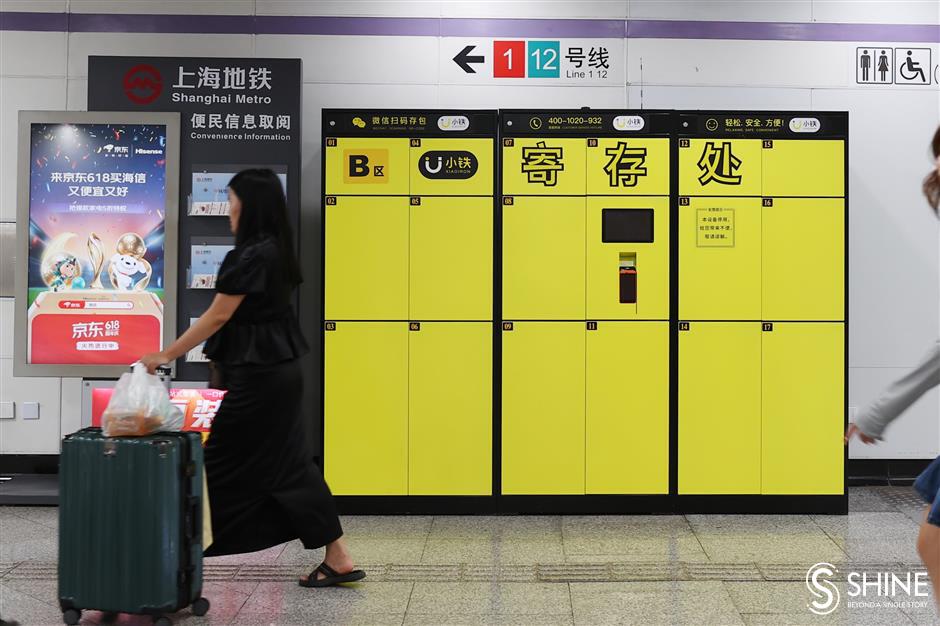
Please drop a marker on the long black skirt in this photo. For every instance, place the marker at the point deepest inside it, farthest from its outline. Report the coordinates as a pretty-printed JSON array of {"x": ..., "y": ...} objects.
[{"x": 264, "y": 487}]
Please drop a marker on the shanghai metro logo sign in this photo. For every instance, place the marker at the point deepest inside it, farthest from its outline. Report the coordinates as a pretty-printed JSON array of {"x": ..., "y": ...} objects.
[{"x": 143, "y": 84}]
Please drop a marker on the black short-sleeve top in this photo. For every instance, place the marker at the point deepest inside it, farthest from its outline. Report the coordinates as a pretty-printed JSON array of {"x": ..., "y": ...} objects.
[{"x": 264, "y": 329}]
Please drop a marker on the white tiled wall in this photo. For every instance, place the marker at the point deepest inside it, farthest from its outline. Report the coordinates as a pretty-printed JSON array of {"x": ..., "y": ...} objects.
[{"x": 893, "y": 237}]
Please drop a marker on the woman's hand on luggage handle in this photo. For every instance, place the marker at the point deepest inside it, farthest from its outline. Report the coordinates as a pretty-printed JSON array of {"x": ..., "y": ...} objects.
[
  {"x": 853, "y": 430},
  {"x": 154, "y": 360}
]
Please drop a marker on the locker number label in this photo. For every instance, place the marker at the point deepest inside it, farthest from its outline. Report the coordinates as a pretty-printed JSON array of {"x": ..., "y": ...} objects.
[
  {"x": 683, "y": 326},
  {"x": 330, "y": 326},
  {"x": 592, "y": 325},
  {"x": 767, "y": 202},
  {"x": 331, "y": 201},
  {"x": 331, "y": 142},
  {"x": 767, "y": 327},
  {"x": 413, "y": 326},
  {"x": 507, "y": 325}
]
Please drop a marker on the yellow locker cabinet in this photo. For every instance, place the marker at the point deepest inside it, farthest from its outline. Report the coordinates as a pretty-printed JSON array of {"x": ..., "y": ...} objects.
[
  {"x": 752, "y": 259},
  {"x": 544, "y": 258},
  {"x": 720, "y": 259},
  {"x": 373, "y": 166},
  {"x": 365, "y": 429},
  {"x": 450, "y": 417},
  {"x": 627, "y": 258},
  {"x": 451, "y": 258},
  {"x": 720, "y": 408},
  {"x": 548, "y": 167},
  {"x": 628, "y": 166},
  {"x": 627, "y": 408},
  {"x": 803, "y": 168},
  {"x": 366, "y": 252},
  {"x": 451, "y": 167},
  {"x": 803, "y": 400},
  {"x": 761, "y": 408},
  {"x": 543, "y": 408},
  {"x": 720, "y": 167},
  {"x": 408, "y": 408}
]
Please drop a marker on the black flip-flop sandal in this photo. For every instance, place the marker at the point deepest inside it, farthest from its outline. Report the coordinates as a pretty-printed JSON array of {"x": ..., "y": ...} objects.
[{"x": 330, "y": 577}]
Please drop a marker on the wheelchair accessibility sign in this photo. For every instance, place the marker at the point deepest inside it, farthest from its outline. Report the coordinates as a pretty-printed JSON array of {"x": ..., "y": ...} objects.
[
  {"x": 879, "y": 65},
  {"x": 912, "y": 66}
]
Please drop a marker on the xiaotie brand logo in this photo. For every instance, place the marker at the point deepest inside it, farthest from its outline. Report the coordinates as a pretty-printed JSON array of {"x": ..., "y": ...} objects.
[
  {"x": 448, "y": 164},
  {"x": 143, "y": 84},
  {"x": 365, "y": 166}
]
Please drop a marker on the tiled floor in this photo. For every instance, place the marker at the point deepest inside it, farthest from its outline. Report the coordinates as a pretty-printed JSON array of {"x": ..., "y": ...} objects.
[{"x": 532, "y": 571}]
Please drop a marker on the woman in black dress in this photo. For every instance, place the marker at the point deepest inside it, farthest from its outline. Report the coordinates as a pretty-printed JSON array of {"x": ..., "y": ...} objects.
[{"x": 264, "y": 487}]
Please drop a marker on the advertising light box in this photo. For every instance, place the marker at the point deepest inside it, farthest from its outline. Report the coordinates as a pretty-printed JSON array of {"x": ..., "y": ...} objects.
[{"x": 98, "y": 192}]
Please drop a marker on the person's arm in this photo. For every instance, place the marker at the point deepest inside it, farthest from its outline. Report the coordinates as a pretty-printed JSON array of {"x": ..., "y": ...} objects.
[
  {"x": 221, "y": 310},
  {"x": 899, "y": 395}
]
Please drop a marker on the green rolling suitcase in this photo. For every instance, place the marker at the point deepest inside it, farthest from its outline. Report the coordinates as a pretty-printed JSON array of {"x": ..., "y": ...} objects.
[{"x": 130, "y": 524}]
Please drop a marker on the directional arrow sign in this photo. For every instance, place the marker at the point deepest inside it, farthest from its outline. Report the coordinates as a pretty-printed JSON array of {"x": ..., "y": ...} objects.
[{"x": 463, "y": 59}]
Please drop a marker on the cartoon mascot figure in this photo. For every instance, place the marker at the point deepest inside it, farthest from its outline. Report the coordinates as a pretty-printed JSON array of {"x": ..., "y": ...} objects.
[{"x": 128, "y": 262}]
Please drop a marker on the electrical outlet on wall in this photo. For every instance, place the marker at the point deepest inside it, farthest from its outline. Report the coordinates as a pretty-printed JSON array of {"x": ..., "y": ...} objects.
[
  {"x": 7, "y": 410},
  {"x": 29, "y": 410}
]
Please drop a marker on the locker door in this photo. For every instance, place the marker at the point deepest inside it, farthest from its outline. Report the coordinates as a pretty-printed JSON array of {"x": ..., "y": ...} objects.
[
  {"x": 543, "y": 259},
  {"x": 630, "y": 166},
  {"x": 719, "y": 408},
  {"x": 627, "y": 441},
  {"x": 624, "y": 233},
  {"x": 451, "y": 266},
  {"x": 543, "y": 409},
  {"x": 720, "y": 167},
  {"x": 720, "y": 259},
  {"x": 803, "y": 411},
  {"x": 367, "y": 166},
  {"x": 804, "y": 259},
  {"x": 543, "y": 166},
  {"x": 365, "y": 435},
  {"x": 367, "y": 259},
  {"x": 804, "y": 167},
  {"x": 451, "y": 409},
  {"x": 452, "y": 167}
]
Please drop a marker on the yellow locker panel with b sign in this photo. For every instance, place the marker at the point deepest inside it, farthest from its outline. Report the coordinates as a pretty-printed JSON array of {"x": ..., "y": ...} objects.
[
  {"x": 627, "y": 404},
  {"x": 803, "y": 404},
  {"x": 374, "y": 166},
  {"x": 543, "y": 408},
  {"x": 720, "y": 258},
  {"x": 803, "y": 256},
  {"x": 450, "y": 427},
  {"x": 365, "y": 420},
  {"x": 549, "y": 166},
  {"x": 451, "y": 167},
  {"x": 804, "y": 168},
  {"x": 720, "y": 408},
  {"x": 451, "y": 261},
  {"x": 366, "y": 258},
  {"x": 628, "y": 166},
  {"x": 543, "y": 258},
  {"x": 720, "y": 167},
  {"x": 627, "y": 257}
]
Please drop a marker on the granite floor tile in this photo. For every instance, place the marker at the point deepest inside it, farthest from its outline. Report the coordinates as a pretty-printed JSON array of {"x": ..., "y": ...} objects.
[
  {"x": 653, "y": 603},
  {"x": 504, "y": 527},
  {"x": 384, "y": 526},
  {"x": 447, "y": 619},
  {"x": 25, "y": 540},
  {"x": 491, "y": 598},
  {"x": 27, "y": 610},
  {"x": 494, "y": 551},
  {"x": 873, "y": 536},
  {"x": 43, "y": 515},
  {"x": 670, "y": 545},
  {"x": 353, "y": 601},
  {"x": 263, "y": 556},
  {"x": 765, "y": 547}
]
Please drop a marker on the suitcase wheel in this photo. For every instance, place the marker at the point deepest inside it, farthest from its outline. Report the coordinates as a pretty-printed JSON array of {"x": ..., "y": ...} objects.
[
  {"x": 200, "y": 607},
  {"x": 72, "y": 616}
]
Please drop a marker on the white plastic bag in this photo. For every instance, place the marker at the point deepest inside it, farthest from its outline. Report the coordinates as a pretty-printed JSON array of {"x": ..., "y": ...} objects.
[{"x": 140, "y": 405}]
